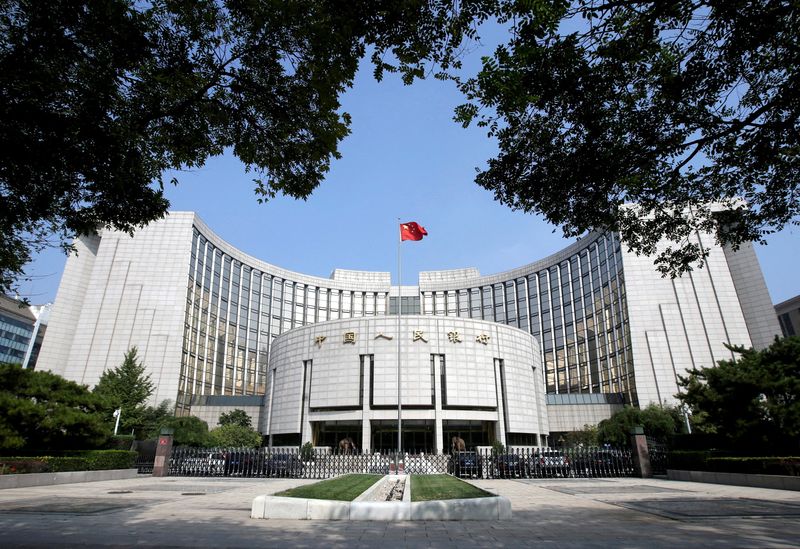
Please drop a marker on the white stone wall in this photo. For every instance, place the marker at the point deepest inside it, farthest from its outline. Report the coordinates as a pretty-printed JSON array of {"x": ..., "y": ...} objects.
[
  {"x": 131, "y": 292},
  {"x": 63, "y": 323},
  {"x": 680, "y": 323},
  {"x": 751, "y": 289},
  {"x": 472, "y": 383}
]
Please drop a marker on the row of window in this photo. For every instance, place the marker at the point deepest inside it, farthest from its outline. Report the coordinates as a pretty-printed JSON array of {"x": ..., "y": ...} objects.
[{"x": 576, "y": 309}]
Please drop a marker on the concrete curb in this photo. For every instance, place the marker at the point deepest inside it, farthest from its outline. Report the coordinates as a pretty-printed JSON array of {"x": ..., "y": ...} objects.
[
  {"x": 67, "y": 477},
  {"x": 279, "y": 507},
  {"x": 777, "y": 482}
]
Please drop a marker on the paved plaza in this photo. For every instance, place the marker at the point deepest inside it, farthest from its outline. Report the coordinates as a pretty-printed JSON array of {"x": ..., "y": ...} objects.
[{"x": 214, "y": 513}]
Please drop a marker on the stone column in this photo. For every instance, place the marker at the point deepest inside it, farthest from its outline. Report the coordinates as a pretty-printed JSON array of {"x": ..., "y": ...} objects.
[
  {"x": 163, "y": 453},
  {"x": 366, "y": 413},
  {"x": 641, "y": 455},
  {"x": 437, "y": 391},
  {"x": 500, "y": 424}
]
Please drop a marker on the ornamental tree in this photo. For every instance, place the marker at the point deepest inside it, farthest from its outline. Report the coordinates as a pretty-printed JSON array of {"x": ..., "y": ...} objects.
[
  {"x": 235, "y": 417},
  {"x": 128, "y": 387},
  {"x": 234, "y": 435},
  {"x": 657, "y": 421},
  {"x": 752, "y": 400},
  {"x": 188, "y": 431},
  {"x": 41, "y": 413}
]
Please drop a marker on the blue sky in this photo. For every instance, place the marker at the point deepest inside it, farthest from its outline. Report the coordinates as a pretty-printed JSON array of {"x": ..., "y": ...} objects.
[{"x": 407, "y": 159}]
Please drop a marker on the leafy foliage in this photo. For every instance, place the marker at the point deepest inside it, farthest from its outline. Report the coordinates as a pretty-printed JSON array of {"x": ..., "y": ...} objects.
[
  {"x": 658, "y": 421},
  {"x": 44, "y": 413},
  {"x": 752, "y": 400},
  {"x": 584, "y": 437},
  {"x": 672, "y": 105},
  {"x": 234, "y": 435},
  {"x": 235, "y": 417},
  {"x": 92, "y": 460},
  {"x": 128, "y": 387},
  {"x": 152, "y": 418},
  {"x": 100, "y": 99},
  {"x": 307, "y": 452},
  {"x": 188, "y": 431},
  {"x": 498, "y": 448}
]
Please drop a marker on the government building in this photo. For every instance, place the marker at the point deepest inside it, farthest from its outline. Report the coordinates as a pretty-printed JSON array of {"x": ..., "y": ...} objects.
[{"x": 520, "y": 356}]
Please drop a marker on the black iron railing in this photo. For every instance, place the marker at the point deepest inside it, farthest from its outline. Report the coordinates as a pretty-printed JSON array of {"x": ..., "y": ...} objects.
[
  {"x": 658, "y": 451},
  {"x": 479, "y": 463}
]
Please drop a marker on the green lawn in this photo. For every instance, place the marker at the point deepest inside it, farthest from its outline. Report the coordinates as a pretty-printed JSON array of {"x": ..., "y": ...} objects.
[
  {"x": 344, "y": 488},
  {"x": 429, "y": 487}
]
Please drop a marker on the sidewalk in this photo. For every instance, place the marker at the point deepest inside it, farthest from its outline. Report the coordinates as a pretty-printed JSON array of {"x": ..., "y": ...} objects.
[{"x": 214, "y": 513}]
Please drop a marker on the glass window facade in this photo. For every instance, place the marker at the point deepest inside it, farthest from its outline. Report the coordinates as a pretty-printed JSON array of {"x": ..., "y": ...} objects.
[
  {"x": 576, "y": 309},
  {"x": 233, "y": 312}
]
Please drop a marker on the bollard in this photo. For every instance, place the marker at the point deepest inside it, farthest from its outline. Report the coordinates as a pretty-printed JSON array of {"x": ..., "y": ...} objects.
[
  {"x": 163, "y": 453},
  {"x": 641, "y": 455}
]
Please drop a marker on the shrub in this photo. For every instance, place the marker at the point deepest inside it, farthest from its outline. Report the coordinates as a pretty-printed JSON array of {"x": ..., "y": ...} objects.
[
  {"x": 789, "y": 465},
  {"x": 498, "y": 448},
  {"x": 90, "y": 460},
  {"x": 188, "y": 431},
  {"x": 234, "y": 435},
  {"x": 708, "y": 460},
  {"x": 307, "y": 452},
  {"x": 120, "y": 442}
]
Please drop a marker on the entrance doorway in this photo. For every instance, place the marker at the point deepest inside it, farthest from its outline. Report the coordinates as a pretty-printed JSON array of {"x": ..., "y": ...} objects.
[
  {"x": 474, "y": 433},
  {"x": 329, "y": 433},
  {"x": 417, "y": 436}
]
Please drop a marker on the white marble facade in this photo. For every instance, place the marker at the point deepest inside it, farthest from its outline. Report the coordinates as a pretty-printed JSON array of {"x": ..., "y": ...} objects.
[
  {"x": 451, "y": 369},
  {"x": 211, "y": 321}
]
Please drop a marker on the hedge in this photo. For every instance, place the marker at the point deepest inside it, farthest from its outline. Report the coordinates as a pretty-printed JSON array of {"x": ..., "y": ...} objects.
[
  {"x": 707, "y": 460},
  {"x": 89, "y": 460}
]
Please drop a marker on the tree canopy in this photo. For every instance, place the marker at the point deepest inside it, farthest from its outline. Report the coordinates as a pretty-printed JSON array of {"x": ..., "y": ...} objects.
[
  {"x": 44, "y": 413},
  {"x": 235, "y": 417},
  {"x": 657, "y": 421},
  {"x": 752, "y": 400},
  {"x": 188, "y": 431},
  {"x": 234, "y": 435},
  {"x": 676, "y": 106},
  {"x": 672, "y": 105},
  {"x": 99, "y": 99}
]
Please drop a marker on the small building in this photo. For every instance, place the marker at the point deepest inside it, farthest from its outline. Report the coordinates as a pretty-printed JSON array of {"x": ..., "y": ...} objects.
[
  {"x": 789, "y": 316},
  {"x": 22, "y": 329}
]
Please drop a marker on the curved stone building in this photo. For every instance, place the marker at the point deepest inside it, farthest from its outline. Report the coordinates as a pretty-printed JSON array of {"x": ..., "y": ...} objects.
[
  {"x": 212, "y": 325},
  {"x": 476, "y": 379}
]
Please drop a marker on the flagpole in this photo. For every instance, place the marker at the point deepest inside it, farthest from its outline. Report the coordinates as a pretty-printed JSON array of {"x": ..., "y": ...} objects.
[{"x": 399, "y": 340}]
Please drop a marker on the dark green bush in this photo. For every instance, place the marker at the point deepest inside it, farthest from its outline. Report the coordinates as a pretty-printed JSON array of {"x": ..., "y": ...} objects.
[
  {"x": 689, "y": 460},
  {"x": 709, "y": 460},
  {"x": 789, "y": 465},
  {"x": 90, "y": 460},
  {"x": 120, "y": 442}
]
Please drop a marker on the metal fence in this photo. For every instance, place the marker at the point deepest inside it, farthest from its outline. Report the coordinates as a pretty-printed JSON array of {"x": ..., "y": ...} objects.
[
  {"x": 480, "y": 463},
  {"x": 145, "y": 455},
  {"x": 658, "y": 451}
]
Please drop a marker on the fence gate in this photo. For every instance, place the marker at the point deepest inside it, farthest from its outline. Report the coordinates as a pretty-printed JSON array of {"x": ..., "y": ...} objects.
[
  {"x": 658, "y": 455},
  {"x": 145, "y": 455},
  {"x": 479, "y": 463}
]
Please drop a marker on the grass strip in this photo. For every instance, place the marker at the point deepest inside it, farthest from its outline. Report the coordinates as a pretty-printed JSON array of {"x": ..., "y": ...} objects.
[
  {"x": 430, "y": 487},
  {"x": 344, "y": 488}
]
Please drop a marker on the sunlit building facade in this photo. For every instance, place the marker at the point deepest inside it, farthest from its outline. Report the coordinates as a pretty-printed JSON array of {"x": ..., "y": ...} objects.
[{"x": 206, "y": 317}]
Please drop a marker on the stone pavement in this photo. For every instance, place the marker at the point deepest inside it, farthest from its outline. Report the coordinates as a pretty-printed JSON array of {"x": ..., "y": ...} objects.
[{"x": 214, "y": 513}]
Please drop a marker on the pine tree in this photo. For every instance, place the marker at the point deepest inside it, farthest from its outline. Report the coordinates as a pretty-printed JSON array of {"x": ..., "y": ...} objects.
[{"x": 127, "y": 387}]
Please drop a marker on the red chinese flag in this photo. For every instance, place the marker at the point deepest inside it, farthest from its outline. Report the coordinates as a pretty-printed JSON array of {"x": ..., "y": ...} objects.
[{"x": 412, "y": 231}]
